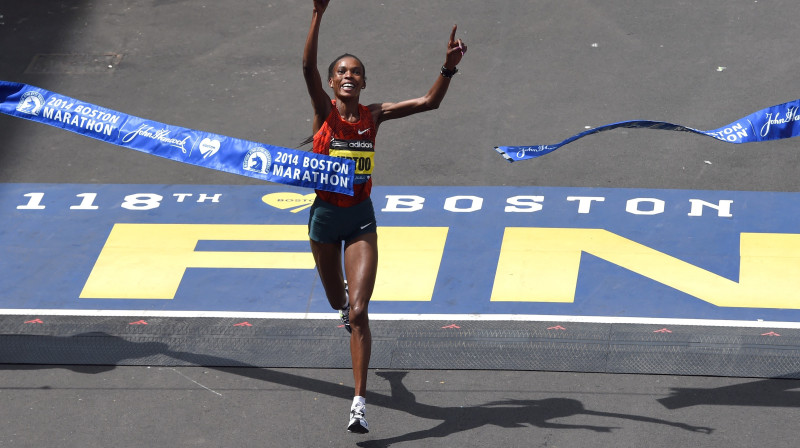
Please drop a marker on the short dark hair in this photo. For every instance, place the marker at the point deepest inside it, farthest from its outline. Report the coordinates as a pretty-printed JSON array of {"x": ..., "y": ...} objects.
[{"x": 347, "y": 55}]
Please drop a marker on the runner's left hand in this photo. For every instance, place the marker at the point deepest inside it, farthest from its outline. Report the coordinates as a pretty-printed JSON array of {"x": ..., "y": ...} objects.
[{"x": 455, "y": 50}]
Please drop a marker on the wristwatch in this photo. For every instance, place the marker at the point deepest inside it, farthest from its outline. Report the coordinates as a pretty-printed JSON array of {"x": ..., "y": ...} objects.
[{"x": 449, "y": 73}]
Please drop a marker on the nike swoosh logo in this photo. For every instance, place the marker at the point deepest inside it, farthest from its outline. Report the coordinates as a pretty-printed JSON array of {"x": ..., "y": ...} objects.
[
  {"x": 363, "y": 132},
  {"x": 365, "y": 226}
]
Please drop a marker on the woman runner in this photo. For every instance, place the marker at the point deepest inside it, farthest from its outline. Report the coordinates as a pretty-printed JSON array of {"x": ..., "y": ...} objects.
[{"x": 344, "y": 128}]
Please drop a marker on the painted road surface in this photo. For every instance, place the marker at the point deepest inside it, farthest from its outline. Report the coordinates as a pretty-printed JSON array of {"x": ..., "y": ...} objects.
[{"x": 619, "y": 253}]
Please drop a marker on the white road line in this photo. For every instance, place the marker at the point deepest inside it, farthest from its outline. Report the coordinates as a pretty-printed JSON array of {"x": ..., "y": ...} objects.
[
  {"x": 416, "y": 317},
  {"x": 195, "y": 382}
]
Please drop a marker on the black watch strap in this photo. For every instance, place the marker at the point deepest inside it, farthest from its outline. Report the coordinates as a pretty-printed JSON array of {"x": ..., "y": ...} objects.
[{"x": 449, "y": 73}]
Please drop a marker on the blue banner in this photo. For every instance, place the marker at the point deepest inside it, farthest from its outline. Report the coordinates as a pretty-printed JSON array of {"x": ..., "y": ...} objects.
[
  {"x": 218, "y": 152},
  {"x": 772, "y": 123}
]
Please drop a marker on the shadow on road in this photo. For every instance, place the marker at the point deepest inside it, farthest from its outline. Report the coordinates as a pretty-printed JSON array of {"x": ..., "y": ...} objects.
[{"x": 107, "y": 351}]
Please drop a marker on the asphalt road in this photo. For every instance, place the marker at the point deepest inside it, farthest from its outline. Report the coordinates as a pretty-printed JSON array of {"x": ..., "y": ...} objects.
[
  {"x": 536, "y": 72},
  {"x": 169, "y": 406}
]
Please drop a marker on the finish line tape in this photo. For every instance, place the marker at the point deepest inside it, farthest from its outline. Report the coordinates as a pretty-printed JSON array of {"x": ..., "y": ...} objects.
[
  {"x": 773, "y": 123},
  {"x": 217, "y": 152}
]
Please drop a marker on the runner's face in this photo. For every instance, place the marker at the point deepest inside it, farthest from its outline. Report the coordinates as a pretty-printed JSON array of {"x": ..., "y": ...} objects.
[{"x": 348, "y": 78}]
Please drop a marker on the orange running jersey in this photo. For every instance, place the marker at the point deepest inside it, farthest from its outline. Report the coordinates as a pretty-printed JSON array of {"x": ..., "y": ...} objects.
[{"x": 354, "y": 141}]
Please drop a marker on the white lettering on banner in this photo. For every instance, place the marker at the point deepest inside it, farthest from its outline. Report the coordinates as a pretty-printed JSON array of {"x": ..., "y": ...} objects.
[
  {"x": 791, "y": 115},
  {"x": 286, "y": 158},
  {"x": 732, "y": 133},
  {"x": 55, "y": 101},
  {"x": 78, "y": 121},
  {"x": 285, "y": 171},
  {"x": 66, "y": 105},
  {"x": 532, "y": 149},
  {"x": 161, "y": 135},
  {"x": 98, "y": 114},
  {"x": 325, "y": 165},
  {"x": 320, "y": 178},
  {"x": 286, "y": 166},
  {"x": 290, "y": 174}
]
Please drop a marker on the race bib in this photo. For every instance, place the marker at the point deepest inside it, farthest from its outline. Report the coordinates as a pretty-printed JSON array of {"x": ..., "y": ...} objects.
[{"x": 361, "y": 152}]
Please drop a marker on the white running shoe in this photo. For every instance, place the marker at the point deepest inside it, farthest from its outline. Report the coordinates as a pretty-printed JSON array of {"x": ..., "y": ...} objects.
[{"x": 358, "y": 422}]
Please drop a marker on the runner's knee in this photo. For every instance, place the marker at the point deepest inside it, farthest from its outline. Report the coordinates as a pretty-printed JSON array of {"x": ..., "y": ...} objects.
[{"x": 358, "y": 316}]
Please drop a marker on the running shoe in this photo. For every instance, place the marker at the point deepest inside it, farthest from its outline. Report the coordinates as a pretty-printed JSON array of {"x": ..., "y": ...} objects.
[
  {"x": 344, "y": 315},
  {"x": 358, "y": 423}
]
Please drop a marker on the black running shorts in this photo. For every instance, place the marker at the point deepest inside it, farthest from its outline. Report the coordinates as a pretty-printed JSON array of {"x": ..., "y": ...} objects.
[{"x": 328, "y": 223}]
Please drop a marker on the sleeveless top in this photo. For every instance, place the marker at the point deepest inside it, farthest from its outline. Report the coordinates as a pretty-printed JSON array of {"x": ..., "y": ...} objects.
[{"x": 354, "y": 141}]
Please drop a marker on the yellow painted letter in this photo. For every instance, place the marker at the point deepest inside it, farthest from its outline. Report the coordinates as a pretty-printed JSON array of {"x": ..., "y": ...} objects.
[
  {"x": 147, "y": 261},
  {"x": 542, "y": 264}
]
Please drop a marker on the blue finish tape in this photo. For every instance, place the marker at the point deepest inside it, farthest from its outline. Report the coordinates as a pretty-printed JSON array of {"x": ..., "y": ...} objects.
[
  {"x": 271, "y": 163},
  {"x": 773, "y": 123}
]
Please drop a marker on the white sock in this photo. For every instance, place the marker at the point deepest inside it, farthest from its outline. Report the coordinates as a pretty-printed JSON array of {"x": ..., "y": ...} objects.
[{"x": 358, "y": 400}]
